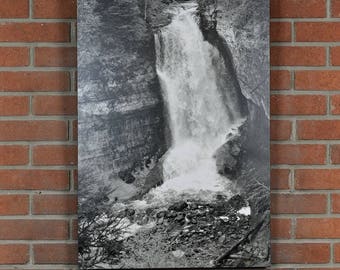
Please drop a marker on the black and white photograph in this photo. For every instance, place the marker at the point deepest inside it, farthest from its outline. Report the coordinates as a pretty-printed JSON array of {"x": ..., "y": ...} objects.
[{"x": 173, "y": 104}]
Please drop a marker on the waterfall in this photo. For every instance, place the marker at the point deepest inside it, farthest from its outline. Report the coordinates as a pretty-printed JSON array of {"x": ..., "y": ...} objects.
[{"x": 190, "y": 71}]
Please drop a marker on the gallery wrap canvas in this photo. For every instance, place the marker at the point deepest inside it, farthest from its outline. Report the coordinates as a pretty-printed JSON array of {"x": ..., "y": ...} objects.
[{"x": 173, "y": 133}]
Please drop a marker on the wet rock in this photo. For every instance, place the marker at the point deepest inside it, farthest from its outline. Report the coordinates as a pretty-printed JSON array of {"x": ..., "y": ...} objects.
[
  {"x": 221, "y": 239},
  {"x": 180, "y": 217},
  {"x": 161, "y": 214},
  {"x": 153, "y": 179},
  {"x": 237, "y": 202},
  {"x": 179, "y": 206},
  {"x": 130, "y": 212},
  {"x": 228, "y": 157},
  {"x": 160, "y": 221}
]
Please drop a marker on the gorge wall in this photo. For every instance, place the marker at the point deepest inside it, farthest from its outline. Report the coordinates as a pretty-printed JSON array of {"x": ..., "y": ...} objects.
[{"x": 120, "y": 106}]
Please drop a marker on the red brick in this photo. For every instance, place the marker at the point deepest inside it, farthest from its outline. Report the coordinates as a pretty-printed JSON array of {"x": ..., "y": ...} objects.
[
  {"x": 318, "y": 129},
  {"x": 297, "y": 8},
  {"x": 336, "y": 203},
  {"x": 335, "y": 104},
  {"x": 34, "y": 32},
  {"x": 34, "y": 180},
  {"x": 11, "y": 105},
  {"x": 55, "y": 155},
  {"x": 279, "y": 179},
  {"x": 280, "y": 129},
  {"x": 56, "y": 57},
  {"x": 44, "y": 130},
  {"x": 20, "y": 229},
  {"x": 55, "y": 253},
  {"x": 335, "y": 154},
  {"x": 55, "y": 9},
  {"x": 310, "y": 228},
  {"x": 75, "y": 130},
  {"x": 298, "y": 105},
  {"x": 280, "y": 228},
  {"x": 297, "y": 56},
  {"x": 317, "y": 31},
  {"x": 55, "y": 204},
  {"x": 13, "y": 155},
  {"x": 316, "y": 179},
  {"x": 301, "y": 253},
  {"x": 75, "y": 86},
  {"x": 335, "y": 56},
  {"x": 337, "y": 252},
  {"x": 317, "y": 80},
  {"x": 14, "y": 9},
  {"x": 280, "y": 80},
  {"x": 14, "y": 56},
  {"x": 14, "y": 204},
  {"x": 55, "y": 105},
  {"x": 74, "y": 225},
  {"x": 335, "y": 8},
  {"x": 298, "y": 154},
  {"x": 280, "y": 31},
  {"x": 75, "y": 179},
  {"x": 298, "y": 204},
  {"x": 34, "y": 81},
  {"x": 14, "y": 254}
]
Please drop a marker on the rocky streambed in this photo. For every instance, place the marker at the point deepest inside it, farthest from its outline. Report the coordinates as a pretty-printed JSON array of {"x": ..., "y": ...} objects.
[{"x": 193, "y": 233}]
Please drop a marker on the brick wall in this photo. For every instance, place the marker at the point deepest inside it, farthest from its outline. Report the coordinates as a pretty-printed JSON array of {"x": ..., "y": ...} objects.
[
  {"x": 38, "y": 149},
  {"x": 38, "y": 134}
]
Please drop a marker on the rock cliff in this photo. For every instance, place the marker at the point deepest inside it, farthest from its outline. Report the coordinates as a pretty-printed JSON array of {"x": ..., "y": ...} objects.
[{"x": 120, "y": 105}]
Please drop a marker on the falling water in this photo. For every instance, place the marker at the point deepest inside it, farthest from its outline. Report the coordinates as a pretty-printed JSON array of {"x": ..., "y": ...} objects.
[{"x": 189, "y": 68}]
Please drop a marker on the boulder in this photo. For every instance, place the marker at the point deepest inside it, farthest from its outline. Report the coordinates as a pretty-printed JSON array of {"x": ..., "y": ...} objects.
[{"x": 228, "y": 157}]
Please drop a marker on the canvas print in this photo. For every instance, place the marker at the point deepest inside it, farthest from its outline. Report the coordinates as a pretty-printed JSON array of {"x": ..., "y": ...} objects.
[{"x": 173, "y": 133}]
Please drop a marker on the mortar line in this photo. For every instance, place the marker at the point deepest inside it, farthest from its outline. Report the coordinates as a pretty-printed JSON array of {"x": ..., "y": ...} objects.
[
  {"x": 328, "y": 61},
  {"x": 328, "y": 9}
]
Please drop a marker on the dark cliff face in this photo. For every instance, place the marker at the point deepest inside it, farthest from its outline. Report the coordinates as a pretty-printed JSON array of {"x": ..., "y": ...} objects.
[
  {"x": 120, "y": 105},
  {"x": 239, "y": 29}
]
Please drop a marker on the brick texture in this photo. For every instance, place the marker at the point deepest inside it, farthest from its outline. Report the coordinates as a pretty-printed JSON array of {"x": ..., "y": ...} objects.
[
  {"x": 298, "y": 154},
  {"x": 34, "y": 81},
  {"x": 304, "y": 253},
  {"x": 305, "y": 133},
  {"x": 54, "y": 204},
  {"x": 55, "y": 57},
  {"x": 43, "y": 130},
  {"x": 280, "y": 80},
  {"x": 14, "y": 254},
  {"x": 280, "y": 130},
  {"x": 14, "y": 9},
  {"x": 10, "y": 106},
  {"x": 38, "y": 152},
  {"x": 298, "y": 204},
  {"x": 55, "y": 9},
  {"x": 297, "y": 105},
  {"x": 55, "y": 105},
  {"x": 14, "y": 56},
  {"x": 38, "y": 176},
  {"x": 281, "y": 228},
  {"x": 55, "y": 253},
  {"x": 318, "y": 228},
  {"x": 297, "y": 56},
  {"x": 315, "y": 179},
  {"x": 34, "y": 229},
  {"x": 55, "y": 155},
  {"x": 279, "y": 179},
  {"x": 298, "y": 8}
]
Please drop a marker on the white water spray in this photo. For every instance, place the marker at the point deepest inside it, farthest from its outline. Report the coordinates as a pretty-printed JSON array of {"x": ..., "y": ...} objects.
[{"x": 189, "y": 69}]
